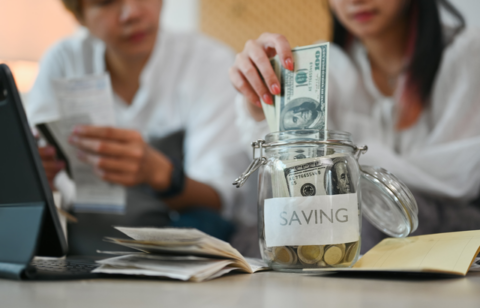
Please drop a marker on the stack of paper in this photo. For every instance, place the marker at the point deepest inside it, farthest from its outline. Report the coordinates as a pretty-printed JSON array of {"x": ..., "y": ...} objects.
[{"x": 184, "y": 254}]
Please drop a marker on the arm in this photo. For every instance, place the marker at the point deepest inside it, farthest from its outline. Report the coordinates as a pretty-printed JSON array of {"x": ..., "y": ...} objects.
[{"x": 121, "y": 156}]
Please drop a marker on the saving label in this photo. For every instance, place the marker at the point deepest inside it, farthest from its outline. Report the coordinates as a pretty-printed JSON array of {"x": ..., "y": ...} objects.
[{"x": 314, "y": 220}]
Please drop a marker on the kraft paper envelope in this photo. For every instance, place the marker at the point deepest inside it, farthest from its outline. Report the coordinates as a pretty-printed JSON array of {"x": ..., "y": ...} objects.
[{"x": 447, "y": 253}]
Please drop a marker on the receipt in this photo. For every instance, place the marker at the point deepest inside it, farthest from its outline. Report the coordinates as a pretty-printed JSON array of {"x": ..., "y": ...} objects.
[{"x": 87, "y": 100}]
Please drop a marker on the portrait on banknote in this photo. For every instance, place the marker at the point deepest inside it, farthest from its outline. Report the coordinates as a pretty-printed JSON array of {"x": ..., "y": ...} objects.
[
  {"x": 302, "y": 113},
  {"x": 339, "y": 179}
]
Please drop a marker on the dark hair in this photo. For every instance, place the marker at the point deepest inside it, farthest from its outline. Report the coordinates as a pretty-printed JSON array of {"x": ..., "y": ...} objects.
[
  {"x": 429, "y": 42},
  {"x": 74, "y": 6}
]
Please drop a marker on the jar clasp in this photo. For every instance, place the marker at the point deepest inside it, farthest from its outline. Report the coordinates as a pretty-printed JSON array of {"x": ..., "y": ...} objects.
[
  {"x": 256, "y": 163},
  {"x": 360, "y": 150}
]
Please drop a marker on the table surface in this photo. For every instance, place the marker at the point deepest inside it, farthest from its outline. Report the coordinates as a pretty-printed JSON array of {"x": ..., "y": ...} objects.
[{"x": 265, "y": 289}]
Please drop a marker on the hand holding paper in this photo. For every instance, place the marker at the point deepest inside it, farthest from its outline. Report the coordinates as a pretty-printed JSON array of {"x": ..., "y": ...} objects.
[{"x": 121, "y": 156}]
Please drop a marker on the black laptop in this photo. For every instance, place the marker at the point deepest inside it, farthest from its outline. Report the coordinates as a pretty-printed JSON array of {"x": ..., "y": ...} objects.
[{"x": 29, "y": 223}]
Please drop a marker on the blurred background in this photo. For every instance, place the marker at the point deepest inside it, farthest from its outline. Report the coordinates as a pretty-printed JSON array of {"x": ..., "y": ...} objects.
[{"x": 29, "y": 27}]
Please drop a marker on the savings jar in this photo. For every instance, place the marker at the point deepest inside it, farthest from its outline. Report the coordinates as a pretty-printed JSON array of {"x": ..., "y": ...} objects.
[{"x": 311, "y": 197}]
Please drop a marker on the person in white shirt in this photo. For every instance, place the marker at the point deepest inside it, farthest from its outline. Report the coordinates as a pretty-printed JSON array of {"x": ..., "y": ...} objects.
[
  {"x": 404, "y": 84},
  {"x": 170, "y": 90}
]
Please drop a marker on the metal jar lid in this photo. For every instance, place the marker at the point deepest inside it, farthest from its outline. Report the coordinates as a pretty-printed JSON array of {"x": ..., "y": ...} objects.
[{"x": 387, "y": 203}]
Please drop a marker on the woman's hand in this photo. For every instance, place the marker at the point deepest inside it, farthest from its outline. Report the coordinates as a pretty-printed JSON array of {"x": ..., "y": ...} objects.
[
  {"x": 253, "y": 64},
  {"x": 121, "y": 156},
  {"x": 50, "y": 163}
]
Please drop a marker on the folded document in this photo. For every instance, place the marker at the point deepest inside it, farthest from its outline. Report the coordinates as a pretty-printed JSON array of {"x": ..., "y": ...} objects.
[{"x": 184, "y": 254}]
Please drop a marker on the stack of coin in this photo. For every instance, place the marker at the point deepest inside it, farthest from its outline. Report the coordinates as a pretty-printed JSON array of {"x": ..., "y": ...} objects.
[
  {"x": 284, "y": 255},
  {"x": 314, "y": 255},
  {"x": 351, "y": 252},
  {"x": 334, "y": 254},
  {"x": 310, "y": 254}
]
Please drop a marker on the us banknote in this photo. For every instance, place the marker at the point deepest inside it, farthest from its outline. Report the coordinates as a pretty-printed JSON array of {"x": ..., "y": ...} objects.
[
  {"x": 327, "y": 175},
  {"x": 303, "y": 101}
]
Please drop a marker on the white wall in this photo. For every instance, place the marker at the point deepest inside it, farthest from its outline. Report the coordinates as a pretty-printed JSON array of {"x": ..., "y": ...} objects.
[{"x": 470, "y": 9}]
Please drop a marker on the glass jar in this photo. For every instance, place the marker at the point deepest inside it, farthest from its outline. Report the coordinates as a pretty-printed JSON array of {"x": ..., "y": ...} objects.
[{"x": 311, "y": 196}]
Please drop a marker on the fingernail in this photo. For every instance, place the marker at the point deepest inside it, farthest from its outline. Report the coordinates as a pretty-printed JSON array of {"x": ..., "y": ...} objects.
[
  {"x": 275, "y": 89},
  {"x": 289, "y": 64},
  {"x": 267, "y": 99},
  {"x": 72, "y": 139}
]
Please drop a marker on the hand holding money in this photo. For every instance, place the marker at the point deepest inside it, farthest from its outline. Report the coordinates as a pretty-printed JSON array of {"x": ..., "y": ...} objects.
[
  {"x": 252, "y": 74},
  {"x": 266, "y": 67}
]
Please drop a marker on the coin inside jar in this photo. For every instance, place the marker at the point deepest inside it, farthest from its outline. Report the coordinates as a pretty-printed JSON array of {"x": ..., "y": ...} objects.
[
  {"x": 333, "y": 255},
  {"x": 310, "y": 254},
  {"x": 351, "y": 252},
  {"x": 284, "y": 255}
]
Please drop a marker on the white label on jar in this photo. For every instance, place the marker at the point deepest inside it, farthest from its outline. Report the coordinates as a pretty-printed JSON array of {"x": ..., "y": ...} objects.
[{"x": 315, "y": 220}]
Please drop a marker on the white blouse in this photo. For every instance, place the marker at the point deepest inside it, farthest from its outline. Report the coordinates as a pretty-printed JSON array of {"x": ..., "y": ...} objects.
[
  {"x": 184, "y": 86},
  {"x": 440, "y": 154}
]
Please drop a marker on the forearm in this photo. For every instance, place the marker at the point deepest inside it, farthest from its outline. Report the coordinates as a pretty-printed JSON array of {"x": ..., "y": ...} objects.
[{"x": 195, "y": 194}]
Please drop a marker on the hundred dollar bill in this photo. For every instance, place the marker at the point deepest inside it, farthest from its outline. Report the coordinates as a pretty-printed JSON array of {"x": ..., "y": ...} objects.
[
  {"x": 327, "y": 175},
  {"x": 303, "y": 101}
]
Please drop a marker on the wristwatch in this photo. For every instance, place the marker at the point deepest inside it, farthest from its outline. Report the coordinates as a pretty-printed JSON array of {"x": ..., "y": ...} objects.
[{"x": 177, "y": 180}]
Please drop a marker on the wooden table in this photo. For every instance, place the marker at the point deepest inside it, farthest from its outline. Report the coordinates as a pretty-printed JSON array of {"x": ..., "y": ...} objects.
[{"x": 267, "y": 289}]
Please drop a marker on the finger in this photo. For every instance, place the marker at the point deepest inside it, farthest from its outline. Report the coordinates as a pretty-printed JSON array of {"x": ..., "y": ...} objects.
[
  {"x": 116, "y": 177},
  {"x": 51, "y": 176},
  {"x": 244, "y": 87},
  {"x": 109, "y": 164},
  {"x": 281, "y": 46},
  {"x": 108, "y": 148},
  {"x": 53, "y": 166},
  {"x": 47, "y": 152},
  {"x": 259, "y": 58},
  {"x": 250, "y": 73},
  {"x": 108, "y": 133}
]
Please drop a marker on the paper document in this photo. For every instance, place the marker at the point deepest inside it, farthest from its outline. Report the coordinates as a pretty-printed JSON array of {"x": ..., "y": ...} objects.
[
  {"x": 87, "y": 100},
  {"x": 445, "y": 253},
  {"x": 184, "y": 254}
]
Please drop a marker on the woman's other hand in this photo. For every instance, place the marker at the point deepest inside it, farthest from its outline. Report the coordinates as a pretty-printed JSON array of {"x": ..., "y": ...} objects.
[
  {"x": 121, "y": 156},
  {"x": 50, "y": 163},
  {"x": 253, "y": 76}
]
